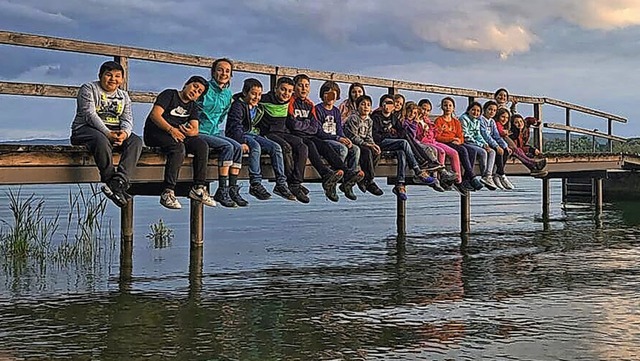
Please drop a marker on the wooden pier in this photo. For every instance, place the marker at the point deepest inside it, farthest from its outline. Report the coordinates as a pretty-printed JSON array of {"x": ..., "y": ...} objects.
[{"x": 72, "y": 164}]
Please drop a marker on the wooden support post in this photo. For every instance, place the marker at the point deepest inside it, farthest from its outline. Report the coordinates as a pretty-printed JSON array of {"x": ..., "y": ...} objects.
[
  {"x": 126, "y": 222},
  {"x": 610, "y": 132},
  {"x": 273, "y": 80},
  {"x": 598, "y": 196},
  {"x": 564, "y": 190},
  {"x": 546, "y": 199},
  {"x": 392, "y": 90},
  {"x": 196, "y": 223},
  {"x": 465, "y": 214},
  {"x": 567, "y": 122},
  {"x": 124, "y": 61},
  {"x": 593, "y": 143},
  {"x": 470, "y": 100},
  {"x": 126, "y": 242},
  {"x": 401, "y": 217},
  {"x": 195, "y": 270},
  {"x": 537, "y": 134}
]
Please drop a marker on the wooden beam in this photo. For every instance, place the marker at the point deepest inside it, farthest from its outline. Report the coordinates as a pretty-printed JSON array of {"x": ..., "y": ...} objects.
[
  {"x": 585, "y": 110},
  {"x": 584, "y": 131},
  {"x": 62, "y": 91}
]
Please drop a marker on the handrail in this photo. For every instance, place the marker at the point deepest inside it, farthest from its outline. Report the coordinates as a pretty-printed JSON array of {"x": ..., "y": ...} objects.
[
  {"x": 584, "y": 131},
  {"x": 87, "y": 47}
]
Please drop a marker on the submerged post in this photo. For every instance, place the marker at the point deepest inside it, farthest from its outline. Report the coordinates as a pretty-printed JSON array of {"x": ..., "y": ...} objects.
[
  {"x": 126, "y": 222},
  {"x": 546, "y": 197},
  {"x": 401, "y": 221},
  {"x": 598, "y": 197},
  {"x": 465, "y": 214},
  {"x": 196, "y": 223}
]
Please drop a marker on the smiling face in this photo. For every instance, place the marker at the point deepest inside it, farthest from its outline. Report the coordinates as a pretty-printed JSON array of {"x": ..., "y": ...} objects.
[
  {"x": 490, "y": 112},
  {"x": 355, "y": 93},
  {"x": 518, "y": 122},
  {"x": 475, "y": 111},
  {"x": 302, "y": 88},
  {"x": 284, "y": 92},
  {"x": 222, "y": 73},
  {"x": 253, "y": 96},
  {"x": 447, "y": 107},
  {"x": 111, "y": 80},
  {"x": 398, "y": 104},
  {"x": 503, "y": 118},
  {"x": 364, "y": 108},
  {"x": 426, "y": 110},
  {"x": 413, "y": 114},
  {"x": 192, "y": 91},
  {"x": 502, "y": 97}
]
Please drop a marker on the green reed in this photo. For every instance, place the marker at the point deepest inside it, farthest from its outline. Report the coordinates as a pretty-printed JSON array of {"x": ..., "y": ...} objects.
[{"x": 160, "y": 234}]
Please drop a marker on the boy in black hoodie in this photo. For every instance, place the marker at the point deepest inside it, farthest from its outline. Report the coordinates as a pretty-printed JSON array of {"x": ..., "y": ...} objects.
[
  {"x": 273, "y": 127},
  {"x": 242, "y": 126}
]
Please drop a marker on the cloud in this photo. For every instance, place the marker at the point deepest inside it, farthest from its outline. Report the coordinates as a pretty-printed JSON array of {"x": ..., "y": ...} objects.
[
  {"x": 31, "y": 13},
  {"x": 604, "y": 14}
]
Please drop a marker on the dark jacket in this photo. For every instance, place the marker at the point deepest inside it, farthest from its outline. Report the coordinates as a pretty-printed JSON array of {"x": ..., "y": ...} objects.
[
  {"x": 239, "y": 119},
  {"x": 302, "y": 120},
  {"x": 382, "y": 127},
  {"x": 275, "y": 115}
]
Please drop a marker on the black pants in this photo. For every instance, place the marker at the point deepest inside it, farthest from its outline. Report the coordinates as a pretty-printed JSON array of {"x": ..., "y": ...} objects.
[
  {"x": 318, "y": 149},
  {"x": 176, "y": 152},
  {"x": 294, "y": 153},
  {"x": 501, "y": 160},
  {"x": 368, "y": 162},
  {"x": 102, "y": 150},
  {"x": 467, "y": 159}
]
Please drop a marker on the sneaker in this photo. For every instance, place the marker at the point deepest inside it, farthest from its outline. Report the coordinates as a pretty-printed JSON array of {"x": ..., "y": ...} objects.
[
  {"x": 168, "y": 199},
  {"x": 297, "y": 191},
  {"x": 437, "y": 187},
  {"x": 222, "y": 196},
  {"x": 259, "y": 191},
  {"x": 460, "y": 188},
  {"x": 540, "y": 164},
  {"x": 118, "y": 198},
  {"x": 348, "y": 191},
  {"x": 506, "y": 183},
  {"x": 476, "y": 184},
  {"x": 352, "y": 178},
  {"x": 329, "y": 183},
  {"x": 467, "y": 186},
  {"x": 373, "y": 188},
  {"x": 234, "y": 193},
  {"x": 362, "y": 185},
  {"x": 498, "y": 182},
  {"x": 424, "y": 178},
  {"x": 118, "y": 185},
  {"x": 200, "y": 193},
  {"x": 447, "y": 177},
  {"x": 431, "y": 166},
  {"x": 539, "y": 174},
  {"x": 283, "y": 191},
  {"x": 400, "y": 191},
  {"x": 488, "y": 182},
  {"x": 304, "y": 189}
]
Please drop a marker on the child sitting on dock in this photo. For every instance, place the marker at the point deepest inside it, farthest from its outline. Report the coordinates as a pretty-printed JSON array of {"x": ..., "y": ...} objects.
[
  {"x": 389, "y": 135},
  {"x": 490, "y": 133},
  {"x": 503, "y": 123},
  {"x": 449, "y": 132},
  {"x": 359, "y": 128},
  {"x": 473, "y": 138},
  {"x": 348, "y": 107},
  {"x": 242, "y": 126},
  {"x": 172, "y": 125},
  {"x": 104, "y": 121}
]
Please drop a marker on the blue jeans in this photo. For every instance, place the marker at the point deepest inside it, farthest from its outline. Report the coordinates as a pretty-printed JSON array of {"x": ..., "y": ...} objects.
[
  {"x": 350, "y": 156},
  {"x": 404, "y": 154},
  {"x": 487, "y": 159},
  {"x": 229, "y": 151},
  {"x": 257, "y": 145}
]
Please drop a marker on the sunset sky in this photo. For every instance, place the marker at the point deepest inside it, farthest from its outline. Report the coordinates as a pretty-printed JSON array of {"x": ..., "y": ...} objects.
[{"x": 582, "y": 51}]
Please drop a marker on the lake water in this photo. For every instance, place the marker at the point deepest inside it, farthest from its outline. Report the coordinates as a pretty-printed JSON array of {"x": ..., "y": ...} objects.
[{"x": 324, "y": 281}]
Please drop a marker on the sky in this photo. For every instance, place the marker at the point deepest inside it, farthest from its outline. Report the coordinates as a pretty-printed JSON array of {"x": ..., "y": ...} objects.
[{"x": 581, "y": 51}]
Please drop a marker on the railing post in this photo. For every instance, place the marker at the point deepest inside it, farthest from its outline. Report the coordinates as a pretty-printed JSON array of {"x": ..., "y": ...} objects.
[
  {"x": 392, "y": 90},
  {"x": 124, "y": 61},
  {"x": 273, "y": 80},
  {"x": 465, "y": 214},
  {"x": 401, "y": 217},
  {"x": 610, "y": 132},
  {"x": 598, "y": 197},
  {"x": 537, "y": 135},
  {"x": 470, "y": 100},
  {"x": 567, "y": 121}
]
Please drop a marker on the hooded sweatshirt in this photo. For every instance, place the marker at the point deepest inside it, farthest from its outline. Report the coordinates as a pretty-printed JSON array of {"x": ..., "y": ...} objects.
[
  {"x": 382, "y": 126},
  {"x": 302, "y": 120},
  {"x": 241, "y": 119}
]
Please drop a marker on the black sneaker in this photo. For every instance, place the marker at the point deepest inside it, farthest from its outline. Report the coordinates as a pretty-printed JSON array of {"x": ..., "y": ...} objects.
[
  {"x": 373, "y": 188},
  {"x": 304, "y": 189},
  {"x": 222, "y": 196},
  {"x": 118, "y": 198},
  {"x": 540, "y": 165},
  {"x": 259, "y": 191},
  {"x": 352, "y": 178},
  {"x": 447, "y": 177},
  {"x": 460, "y": 188},
  {"x": 284, "y": 192},
  {"x": 119, "y": 186},
  {"x": 329, "y": 183},
  {"x": 234, "y": 193},
  {"x": 362, "y": 185},
  {"x": 437, "y": 187},
  {"x": 467, "y": 185},
  {"x": 299, "y": 193},
  {"x": 348, "y": 191},
  {"x": 476, "y": 184}
]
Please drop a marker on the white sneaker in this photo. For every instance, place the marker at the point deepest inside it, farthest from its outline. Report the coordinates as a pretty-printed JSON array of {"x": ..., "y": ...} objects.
[
  {"x": 505, "y": 182},
  {"x": 488, "y": 183},
  {"x": 169, "y": 200},
  {"x": 498, "y": 182},
  {"x": 199, "y": 193}
]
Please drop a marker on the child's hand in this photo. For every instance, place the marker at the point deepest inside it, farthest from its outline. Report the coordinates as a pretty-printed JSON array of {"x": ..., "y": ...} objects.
[
  {"x": 500, "y": 151},
  {"x": 177, "y": 134},
  {"x": 188, "y": 130},
  {"x": 245, "y": 148},
  {"x": 376, "y": 149},
  {"x": 346, "y": 141}
]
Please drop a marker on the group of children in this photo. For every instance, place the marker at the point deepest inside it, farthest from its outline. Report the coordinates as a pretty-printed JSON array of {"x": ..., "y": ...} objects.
[{"x": 343, "y": 143}]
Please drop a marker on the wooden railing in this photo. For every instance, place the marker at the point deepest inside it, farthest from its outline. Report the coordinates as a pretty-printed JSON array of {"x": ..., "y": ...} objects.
[{"x": 122, "y": 54}]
